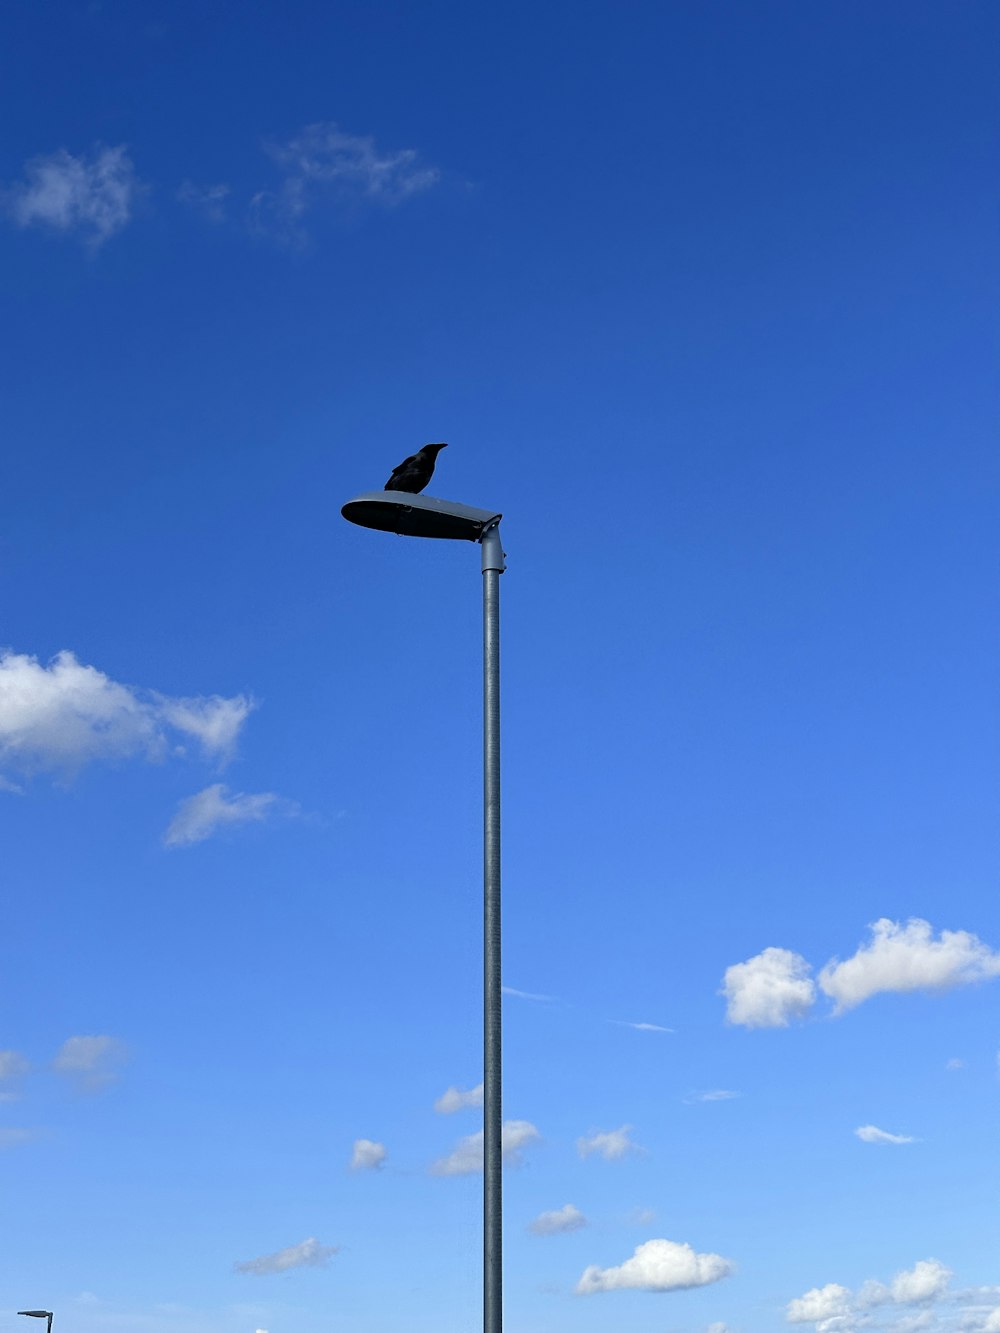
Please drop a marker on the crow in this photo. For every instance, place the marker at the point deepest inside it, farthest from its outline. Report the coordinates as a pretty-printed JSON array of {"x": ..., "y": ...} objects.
[{"x": 415, "y": 472}]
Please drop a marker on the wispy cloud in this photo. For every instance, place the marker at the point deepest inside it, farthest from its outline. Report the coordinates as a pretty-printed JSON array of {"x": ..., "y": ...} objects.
[
  {"x": 367, "y": 1155},
  {"x": 713, "y": 1095},
  {"x": 454, "y": 1099},
  {"x": 11, "y": 1137},
  {"x": 206, "y": 812},
  {"x": 60, "y": 717},
  {"x": 91, "y": 1062},
  {"x": 558, "y": 1220},
  {"x": 12, "y": 1065},
  {"x": 208, "y": 200},
  {"x": 768, "y": 990},
  {"x": 527, "y": 995},
  {"x": 466, "y": 1157},
  {"x": 308, "y": 1254},
  {"x": 639, "y": 1027},
  {"x": 872, "y": 1134},
  {"x": 323, "y": 159},
  {"x": 908, "y": 958},
  {"x": 657, "y": 1265},
  {"x": 611, "y": 1144},
  {"x": 92, "y": 195}
]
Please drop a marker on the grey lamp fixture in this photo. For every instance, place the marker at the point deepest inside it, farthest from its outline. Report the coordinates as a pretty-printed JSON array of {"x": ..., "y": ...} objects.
[
  {"x": 424, "y": 516},
  {"x": 40, "y": 1314}
]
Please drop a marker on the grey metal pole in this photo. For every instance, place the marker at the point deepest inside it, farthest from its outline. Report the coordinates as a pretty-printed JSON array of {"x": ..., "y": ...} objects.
[{"x": 493, "y": 567}]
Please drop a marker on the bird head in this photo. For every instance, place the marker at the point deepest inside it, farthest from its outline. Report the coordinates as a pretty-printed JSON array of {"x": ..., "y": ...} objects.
[{"x": 434, "y": 449}]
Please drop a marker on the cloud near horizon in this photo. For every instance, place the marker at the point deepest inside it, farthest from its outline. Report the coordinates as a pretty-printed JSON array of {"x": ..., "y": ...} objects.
[
  {"x": 93, "y": 194},
  {"x": 308, "y": 1254},
  {"x": 657, "y": 1265},
  {"x": 836, "y": 1307}
]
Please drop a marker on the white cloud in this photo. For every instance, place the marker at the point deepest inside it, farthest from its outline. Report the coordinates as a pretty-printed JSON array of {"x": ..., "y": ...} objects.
[
  {"x": 92, "y": 1062},
  {"x": 717, "y": 1327},
  {"x": 466, "y": 1157},
  {"x": 558, "y": 1220},
  {"x": 12, "y": 1065},
  {"x": 713, "y": 1095},
  {"x": 454, "y": 1099},
  {"x": 323, "y": 158},
  {"x": 203, "y": 814},
  {"x": 610, "y": 1144},
  {"x": 367, "y": 1155},
  {"x": 768, "y": 990},
  {"x": 309, "y": 1254},
  {"x": 657, "y": 1265},
  {"x": 819, "y": 1304},
  {"x": 836, "y": 1307},
  {"x": 908, "y": 958},
  {"x": 925, "y": 1281},
  {"x": 640, "y": 1027},
  {"x": 872, "y": 1134},
  {"x": 93, "y": 195},
  {"x": 955, "y": 1063},
  {"x": 59, "y": 717},
  {"x": 992, "y": 1324}
]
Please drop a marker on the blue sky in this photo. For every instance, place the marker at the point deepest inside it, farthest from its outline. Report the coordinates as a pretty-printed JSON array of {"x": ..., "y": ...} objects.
[{"x": 703, "y": 298}]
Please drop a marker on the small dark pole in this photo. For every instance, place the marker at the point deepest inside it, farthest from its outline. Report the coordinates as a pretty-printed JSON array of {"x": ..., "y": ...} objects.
[{"x": 493, "y": 566}]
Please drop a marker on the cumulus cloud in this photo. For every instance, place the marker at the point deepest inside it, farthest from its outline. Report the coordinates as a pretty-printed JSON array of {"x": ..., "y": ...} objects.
[
  {"x": 908, "y": 958},
  {"x": 59, "y": 717},
  {"x": 558, "y": 1220},
  {"x": 717, "y": 1327},
  {"x": 819, "y": 1304},
  {"x": 309, "y": 1254},
  {"x": 872, "y": 1134},
  {"x": 203, "y": 814},
  {"x": 466, "y": 1158},
  {"x": 834, "y": 1306},
  {"x": 768, "y": 990},
  {"x": 610, "y": 1144},
  {"x": 91, "y": 1062},
  {"x": 367, "y": 1155},
  {"x": 657, "y": 1265},
  {"x": 92, "y": 195},
  {"x": 324, "y": 159},
  {"x": 454, "y": 1099}
]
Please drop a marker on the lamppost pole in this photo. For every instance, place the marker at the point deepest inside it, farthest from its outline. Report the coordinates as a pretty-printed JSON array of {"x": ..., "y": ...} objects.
[
  {"x": 493, "y": 566},
  {"x": 424, "y": 516}
]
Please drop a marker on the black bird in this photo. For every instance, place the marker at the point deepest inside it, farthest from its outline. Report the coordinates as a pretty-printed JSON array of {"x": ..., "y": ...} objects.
[{"x": 415, "y": 472}]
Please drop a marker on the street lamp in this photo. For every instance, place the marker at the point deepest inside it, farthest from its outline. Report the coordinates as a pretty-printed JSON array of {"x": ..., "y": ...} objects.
[
  {"x": 40, "y": 1314},
  {"x": 424, "y": 516}
]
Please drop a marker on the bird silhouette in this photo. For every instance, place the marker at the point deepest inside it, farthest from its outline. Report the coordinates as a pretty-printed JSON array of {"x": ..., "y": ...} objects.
[{"x": 415, "y": 472}]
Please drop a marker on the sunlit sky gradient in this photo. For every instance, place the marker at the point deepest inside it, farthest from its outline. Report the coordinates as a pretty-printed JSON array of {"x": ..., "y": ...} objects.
[{"x": 703, "y": 297}]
